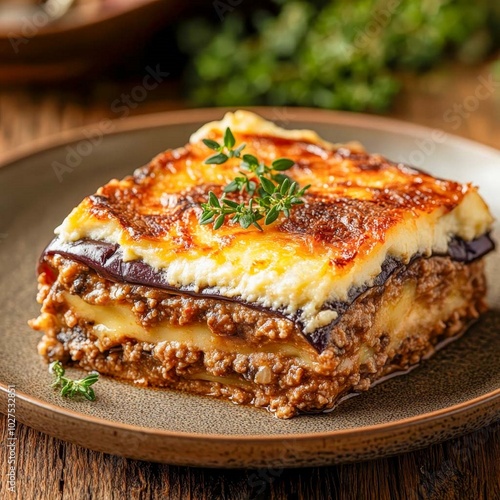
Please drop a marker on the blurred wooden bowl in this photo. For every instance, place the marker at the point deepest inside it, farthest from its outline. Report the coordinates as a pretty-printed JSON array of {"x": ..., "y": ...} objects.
[{"x": 87, "y": 38}]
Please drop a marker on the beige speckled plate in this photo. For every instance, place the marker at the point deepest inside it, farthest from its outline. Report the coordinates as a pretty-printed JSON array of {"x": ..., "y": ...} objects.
[{"x": 454, "y": 392}]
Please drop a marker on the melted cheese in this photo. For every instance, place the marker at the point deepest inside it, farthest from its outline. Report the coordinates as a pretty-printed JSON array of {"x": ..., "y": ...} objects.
[
  {"x": 286, "y": 271},
  {"x": 113, "y": 324},
  {"x": 243, "y": 122}
]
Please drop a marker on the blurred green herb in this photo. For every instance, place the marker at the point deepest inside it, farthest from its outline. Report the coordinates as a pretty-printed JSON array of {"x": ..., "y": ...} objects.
[
  {"x": 277, "y": 193},
  {"x": 331, "y": 53},
  {"x": 72, "y": 388}
]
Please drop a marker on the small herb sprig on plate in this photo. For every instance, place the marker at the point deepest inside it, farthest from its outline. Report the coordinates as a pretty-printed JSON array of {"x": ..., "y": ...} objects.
[
  {"x": 72, "y": 388},
  {"x": 276, "y": 192}
]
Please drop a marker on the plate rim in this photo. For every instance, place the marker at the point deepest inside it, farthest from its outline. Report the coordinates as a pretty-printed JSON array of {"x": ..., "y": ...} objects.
[
  {"x": 455, "y": 410},
  {"x": 183, "y": 116},
  {"x": 157, "y": 120}
]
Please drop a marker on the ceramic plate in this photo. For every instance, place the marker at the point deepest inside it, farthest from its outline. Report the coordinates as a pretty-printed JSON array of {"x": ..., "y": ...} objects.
[{"x": 454, "y": 392}]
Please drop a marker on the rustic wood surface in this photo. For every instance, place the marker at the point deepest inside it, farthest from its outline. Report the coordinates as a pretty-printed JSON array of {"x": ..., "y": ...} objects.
[{"x": 461, "y": 101}]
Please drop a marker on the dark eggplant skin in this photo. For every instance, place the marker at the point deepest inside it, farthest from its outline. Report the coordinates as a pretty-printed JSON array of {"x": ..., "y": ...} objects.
[
  {"x": 469, "y": 251},
  {"x": 107, "y": 260}
]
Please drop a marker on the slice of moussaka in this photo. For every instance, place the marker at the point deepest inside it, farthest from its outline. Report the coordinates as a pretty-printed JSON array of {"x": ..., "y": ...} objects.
[{"x": 364, "y": 274}]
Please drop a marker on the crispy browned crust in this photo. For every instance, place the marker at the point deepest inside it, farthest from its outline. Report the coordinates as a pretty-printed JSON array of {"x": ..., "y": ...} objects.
[
  {"x": 351, "y": 213},
  {"x": 283, "y": 384}
]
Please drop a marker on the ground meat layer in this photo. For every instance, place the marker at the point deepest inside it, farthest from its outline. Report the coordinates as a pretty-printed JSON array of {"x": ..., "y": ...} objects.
[{"x": 389, "y": 327}]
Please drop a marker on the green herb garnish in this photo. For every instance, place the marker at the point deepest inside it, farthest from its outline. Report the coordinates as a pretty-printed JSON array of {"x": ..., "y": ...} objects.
[
  {"x": 330, "y": 53},
  {"x": 72, "y": 388},
  {"x": 224, "y": 151},
  {"x": 276, "y": 192}
]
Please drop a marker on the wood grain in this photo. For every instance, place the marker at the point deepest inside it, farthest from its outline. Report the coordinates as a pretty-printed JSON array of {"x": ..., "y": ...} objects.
[
  {"x": 468, "y": 468},
  {"x": 464, "y": 468}
]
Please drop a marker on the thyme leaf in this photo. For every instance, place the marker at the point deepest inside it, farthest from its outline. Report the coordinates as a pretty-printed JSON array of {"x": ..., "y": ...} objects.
[{"x": 73, "y": 388}]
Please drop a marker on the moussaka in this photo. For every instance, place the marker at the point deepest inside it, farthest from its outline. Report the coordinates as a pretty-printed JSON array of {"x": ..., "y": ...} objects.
[{"x": 374, "y": 267}]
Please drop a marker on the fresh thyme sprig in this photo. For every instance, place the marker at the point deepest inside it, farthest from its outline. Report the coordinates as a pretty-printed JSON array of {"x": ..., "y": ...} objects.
[
  {"x": 277, "y": 193},
  {"x": 72, "y": 388},
  {"x": 225, "y": 150}
]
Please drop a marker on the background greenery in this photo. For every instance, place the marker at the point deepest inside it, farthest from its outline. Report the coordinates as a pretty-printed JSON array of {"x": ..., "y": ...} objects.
[{"x": 329, "y": 53}]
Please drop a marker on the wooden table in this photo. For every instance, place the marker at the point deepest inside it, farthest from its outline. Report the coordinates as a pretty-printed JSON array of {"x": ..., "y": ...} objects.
[{"x": 461, "y": 101}]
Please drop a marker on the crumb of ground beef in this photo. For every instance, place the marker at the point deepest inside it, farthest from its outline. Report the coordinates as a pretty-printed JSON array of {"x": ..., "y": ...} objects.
[{"x": 284, "y": 384}]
